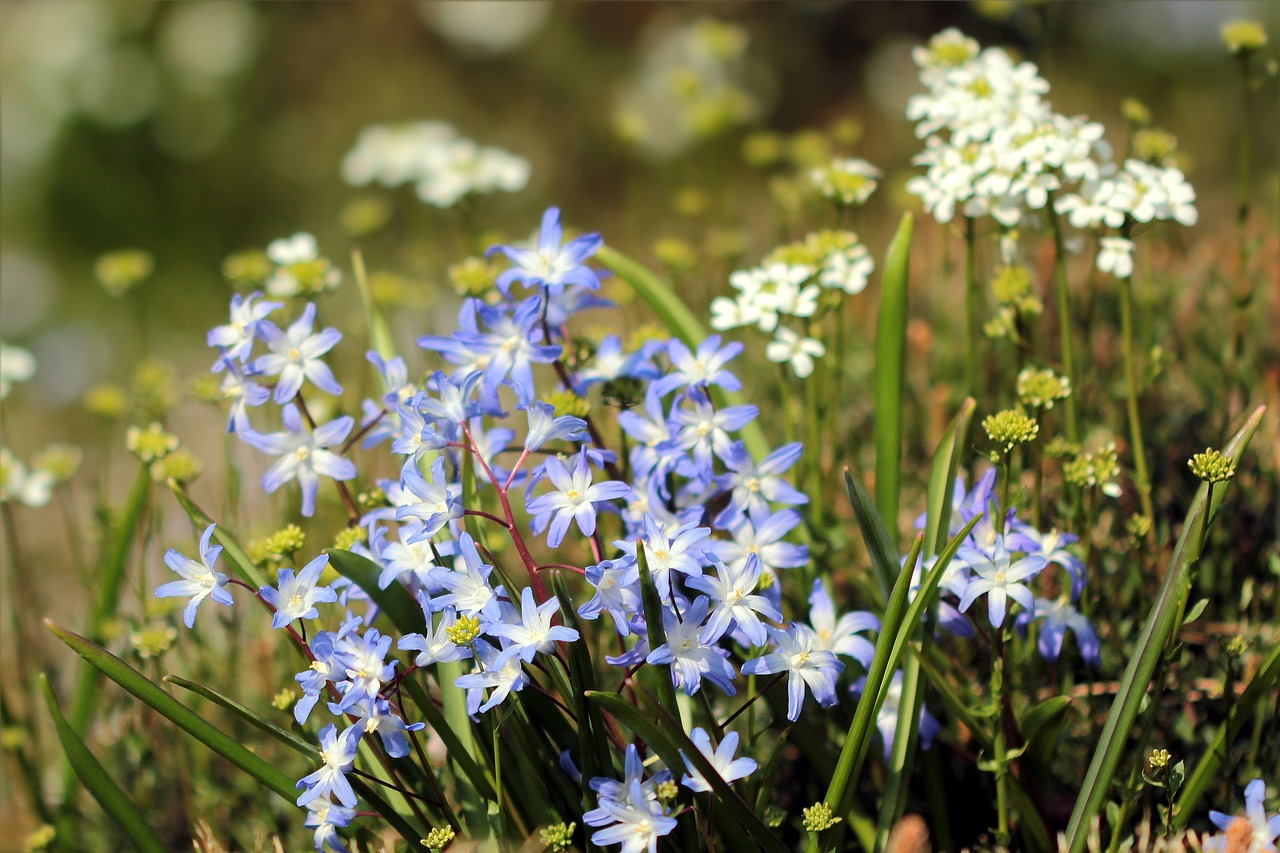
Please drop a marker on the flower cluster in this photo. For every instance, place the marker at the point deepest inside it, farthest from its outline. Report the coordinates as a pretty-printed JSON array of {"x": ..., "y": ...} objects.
[
  {"x": 442, "y": 165},
  {"x": 994, "y": 147}
]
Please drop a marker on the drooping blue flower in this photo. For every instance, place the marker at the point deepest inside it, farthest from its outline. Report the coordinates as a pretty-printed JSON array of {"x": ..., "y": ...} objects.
[
  {"x": 328, "y": 667},
  {"x": 804, "y": 664},
  {"x": 574, "y": 499},
  {"x": 1053, "y": 547},
  {"x": 500, "y": 678},
  {"x": 327, "y": 818},
  {"x": 338, "y": 754},
  {"x": 550, "y": 264},
  {"x": 296, "y": 355},
  {"x": 1057, "y": 616},
  {"x": 297, "y": 597},
  {"x": 199, "y": 580},
  {"x": 721, "y": 757},
  {"x": 304, "y": 455},
  {"x": 544, "y": 426}
]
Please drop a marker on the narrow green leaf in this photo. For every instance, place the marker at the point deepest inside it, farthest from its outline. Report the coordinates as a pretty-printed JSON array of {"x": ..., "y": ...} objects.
[
  {"x": 192, "y": 723},
  {"x": 1042, "y": 729},
  {"x": 875, "y": 533},
  {"x": 593, "y": 747},
  {"x": 657, "y": 634},
  {"x": 395, "y": 601},
  {"x": 742, "y": 828},
  {"x": 1209, "y": 766},
  {"x": 114, "y": 801},
  {"x": 891, "y": 353},
  {"x": 942, "y": 478},
  {"x": 680, "y": 321},
  {"x": 1156, "y": 632},
  {"x": 379, "y": 332},
  {"x": 111, "y": 575}
]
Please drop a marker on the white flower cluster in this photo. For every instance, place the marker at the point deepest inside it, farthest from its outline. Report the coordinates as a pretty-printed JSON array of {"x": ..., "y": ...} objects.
[
  {"x": 846, "y": 181},
  {"x": 300, "y": 269},
  {"x": 30, "y": 487},
  {"x": 789, "y": 284},
  {"x": 442, "y": 165},
  {"x": 994, "y": 147}
]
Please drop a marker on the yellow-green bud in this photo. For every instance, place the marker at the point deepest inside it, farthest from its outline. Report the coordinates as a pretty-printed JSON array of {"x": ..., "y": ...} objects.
[
  {"x": 1159, "y": 759},
  {"x": 390, "y": 290},
  {"x": 150, "y": 444},
  {"x": 439, "y": 838},
  {"x": 61, "y": 461},
  {"x": 675, "y": 254},
  {"x": 774, "y": 816},
  {"x": 667, "y": 790},
  {"x": 846, "y": 181},
  {"x": 41, "y": 839},
  {"x": 558, "y": 837},
  {"x": 691, "y": 202},
  {"x": 473, "y": 277},
  {"x": 247, "y": 269},
  {"x": 1154, "y": 145},
  {"x": 1061, "y": 447},
  {"x": 13, "y": 738},
  {"x": 1135, "y": 112},
  {"x": 156, "y": 385},
  {"x": 1243, "y": 36},
  {"x": 348, "y": 537},
  {"x": 1138, "y": 526},
  {"x": 464, "y": 631},
  {"x": 819, "y": 817},
  {"x": 1042, "y": 388},
  {"x": 284, "y": 700},
  {"x": 567, "y": 403},
  {"x": 1010, "y": 428},
  {"x": 763, "y": 149},
  {"x": 181, "y": 466},
  {"x": 207, "y": 388},
  {"x": 366, "y": 215},
  {"x": 1012, "y": 285},
  {"x": 809, "y": 149},
  {"x": 123, "y": 270},
  {"x": 1235, "y": 648},
  {"x": 949, "y": 48},
  {"x": 153, "y": 640},
  {"x": 1003, "y": 325},
  {"x": 107, "y": 401},
  {"x": 372, "y": 499},
  {"x": 1212, "y": 467},
  {"x": 279, "y": 546}
]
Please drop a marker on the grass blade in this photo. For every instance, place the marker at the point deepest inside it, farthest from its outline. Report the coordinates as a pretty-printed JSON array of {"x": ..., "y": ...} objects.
[
  {"x": 114, "y": 801},
  {"x": 1156, "y": 632},
  {"x": 657, "y": 634},
  {"x": 192, "y": 723},
  {"x": 891, "y": 352},
  {"x": 875, "y": 533}
]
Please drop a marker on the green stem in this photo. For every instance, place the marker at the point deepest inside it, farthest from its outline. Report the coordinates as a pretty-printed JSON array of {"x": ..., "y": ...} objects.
[
  {"x": 1064, "y": 320},
  {"x": 1131, "y": 391},
  {"x": 784, "y": 384},
  {"x": 1003, "y": 835},
  {"x": 1241, "y": 296},
  {"x": 973, "y": 305}
]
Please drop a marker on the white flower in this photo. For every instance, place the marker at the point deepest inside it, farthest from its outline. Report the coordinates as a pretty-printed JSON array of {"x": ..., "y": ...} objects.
[
  {"x": 16, "y": 483},
  {"x": 1116, "y": 257},
  {"x": 847, "y": 270},
  {"x": 16, "y": 365},
  {"x": 788, "y": 346}
]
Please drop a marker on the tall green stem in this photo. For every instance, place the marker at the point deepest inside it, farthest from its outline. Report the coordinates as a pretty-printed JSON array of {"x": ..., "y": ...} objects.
[
  {"x": 1241, "y": 296},
  {"x": 1003, "y": 834},
  {"x": 972, "y": 305},
  {"x": 1131, "y": 390},
  {"x": 1064, "y": 321}
]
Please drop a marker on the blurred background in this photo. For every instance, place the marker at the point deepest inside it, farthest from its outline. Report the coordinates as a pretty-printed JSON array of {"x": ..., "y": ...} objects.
[{"x": 197, "y": 130}]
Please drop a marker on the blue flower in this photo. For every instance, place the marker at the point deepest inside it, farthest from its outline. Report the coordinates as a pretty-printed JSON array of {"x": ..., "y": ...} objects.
[
  {"x": 544, "y": 426},
  {"x": 304, "y": 455},
  {"x": 550, "y": 264},
  {"x": 1265, "y": 830},
  {"x": 840, "y": 637},
  {"x": 236, "y": 338},
  {"x": 762, "y": 536},
  {"x": 732, "y": 590},
  {"x": 751, "y": 487},
  {"x": 721, "y": 757},
  {"x": 502, "y": 677},
  {"x": 701, "y": 369},
  {"x": 610, "y": 362},
  {"x": 297, "y": 597},
  {"x": 199, "y": 580},
  {"x": 804, "y": 664},
  {"x": 1059, "y": 615},
  {"x": 998, "y": 578},
  {"x": 468, "y": 584},
  {"x": 435, "y": 646},
  {"x": 678, "y": 552},
  {"x": 434, "y": 504},
  {"x": 367, "y": 667},
  {"x": 377, "y": 716},
  {"x": 630, "y": 810},
  {"x": 338, "y": 754},
  {"x": 574, "y": 499},
  {"x": 1053, "y": 547},
  {"x": 327, "y": 817},
  {"x": 329, "y": 666},
  {"x": 703, "y": 429},
  {"x": 241, "y": 391},
  {"x": 690, "y": 659},
  {"x": 295, "y": 355},
  {"x": 617, "y": 586},
  {"x": 534, "y": 633}
]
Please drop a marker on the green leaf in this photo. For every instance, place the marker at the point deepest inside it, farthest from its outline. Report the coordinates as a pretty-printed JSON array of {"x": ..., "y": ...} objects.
[
  {"x": 891, "y": 351},
  {"x": 114, "y": 801},
  {"x": 1158, "y": 629},
  {"x": 942, "y": 478},
  {"x": 657, "y": 634},
  {"x": 742, "y": 828},
  {"x": 592, "y": 743},
  {"x": 1194, "y": 613},
  {"x": 880, "y": 544},
  {"x": 379, "y": 332},
  {"x": 1042, "y": 729},
  {"x": 395, "y": 601},
  {"x": 680, "y": 321},
  {"x": 192, "y": 723}
]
